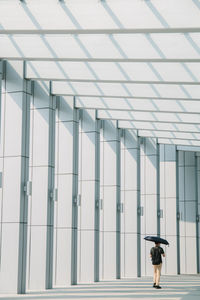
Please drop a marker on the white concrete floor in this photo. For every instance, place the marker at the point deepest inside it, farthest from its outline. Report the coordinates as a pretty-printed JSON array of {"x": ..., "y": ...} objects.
[{"x": 183, "y": 287}]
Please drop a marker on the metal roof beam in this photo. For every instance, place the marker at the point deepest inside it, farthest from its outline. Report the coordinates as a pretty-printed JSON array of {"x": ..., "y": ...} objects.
[
  {"x": 79, "y": 59},
  {"x": 155, "y": 117},
  {"x": 179, "y": 142},
  {"x": 160, "y": 131},
  {"x": 170, "y": 135},
  {"x": 133, "y": 105},
  {"x": 97, "y": 31},
  {"x": 116, "y": 81},
  {"x": 155, "y": 126},
  {"x": 127, "y": 91},
  {"x": 127, "y": 97}
]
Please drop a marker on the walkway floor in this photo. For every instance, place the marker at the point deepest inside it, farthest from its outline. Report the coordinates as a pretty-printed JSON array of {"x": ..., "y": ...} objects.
[{"x": 184, "y": 287}]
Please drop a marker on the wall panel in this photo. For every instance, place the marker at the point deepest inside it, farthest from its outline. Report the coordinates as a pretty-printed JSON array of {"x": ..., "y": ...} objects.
[
  {"x": 129, "y": 200},
  {"x": 168, "y": 206},
  {"x": 66, "y": 183},
  {"x": 110, "y": 195},
  {"x": 88, "y": 210},
  {"x": 40, "y": 219},
  {"x": 15, "y": 121},
  {"x": 188, "y": 212},
  {"x": 149, "y": 198}
]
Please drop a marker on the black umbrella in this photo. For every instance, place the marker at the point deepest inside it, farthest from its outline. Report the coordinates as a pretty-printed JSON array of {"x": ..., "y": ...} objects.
[{"x": 156, "y": 239}]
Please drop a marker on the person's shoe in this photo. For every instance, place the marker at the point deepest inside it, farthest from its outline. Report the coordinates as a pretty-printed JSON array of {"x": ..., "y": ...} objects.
[
  {"x": 154, "y": 285},
  {"x": 157, "y": 287}
]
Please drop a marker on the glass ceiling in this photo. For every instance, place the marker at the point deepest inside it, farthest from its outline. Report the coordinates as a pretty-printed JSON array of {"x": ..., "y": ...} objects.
[{"x": 135, "y": 61}]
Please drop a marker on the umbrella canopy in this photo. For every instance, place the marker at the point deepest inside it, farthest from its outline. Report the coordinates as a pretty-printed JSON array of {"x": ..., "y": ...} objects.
[{"x": 156, "y": 239}]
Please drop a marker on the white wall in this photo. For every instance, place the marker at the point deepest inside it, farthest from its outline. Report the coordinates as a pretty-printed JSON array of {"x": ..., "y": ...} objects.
[
  {"x": 87, "y": 189},
  {"x": 14, "y": 156},
  {"x": 198, "y": 205},
  {"x": 108, "y": 193},
  {"x": 148, "y": 199},
  {"x": 129, "y": 194},
  {"x": 70, "y": 243},
  {"x": 187, "y": 207},
  {"x": 168, "y": 222},
  {"x": 40, "y": 218},
  {"x": 66, "y": 184}
]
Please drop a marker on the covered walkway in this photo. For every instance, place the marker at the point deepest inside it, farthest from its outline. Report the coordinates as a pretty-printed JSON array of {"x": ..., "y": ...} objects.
[
  {"x": 99, "y": 147},
  {"x": 183, "y": 287}
]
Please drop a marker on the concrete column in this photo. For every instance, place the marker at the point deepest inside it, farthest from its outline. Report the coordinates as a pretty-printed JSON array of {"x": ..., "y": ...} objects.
[
  {"x": 197, "y": 173},
  {"x": 109, "y": 195},
  {"x": 66, "y": 183},
  {"x": 149, "y": 191},
  {"x": 40, "y": 219},
  {"x": 187, "y": 208},
  {"x": 168, "y": 211},
  {"x": 198, "y": 208},
  {"x": 14, "y": 159},
  {"x": 129, "y": 199},
  {"x": 87, "y": 196},
  {"x": 1, "y": 76},
  {"x": 177, "y": 213},
  {"x": 97, "y": 203}
]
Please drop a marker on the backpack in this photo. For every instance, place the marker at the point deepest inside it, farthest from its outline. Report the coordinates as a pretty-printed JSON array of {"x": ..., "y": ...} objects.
[{"x": 156, "y": 255}]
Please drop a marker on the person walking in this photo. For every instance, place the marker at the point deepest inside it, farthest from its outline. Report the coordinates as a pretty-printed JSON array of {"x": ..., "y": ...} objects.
[{"x": 156, "y": 254}]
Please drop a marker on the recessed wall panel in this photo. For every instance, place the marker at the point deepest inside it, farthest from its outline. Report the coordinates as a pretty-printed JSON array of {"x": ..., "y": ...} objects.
[
  {"x": 191, "y": 261},
  {"x": 9, "y": 257},
  {"x": 170, "y": 179},
  {"x": 130, "y": 212},
  {"x": 86, "y": 263},
  {"x": 130, "y": 255},
  {"x": 150, "y": 212},
  {"x": 170, "y": 216},
  {"x": 63, "y": 207},
  {"x": 88, "y": 154},
  {"x": 65, "y": 147},
  {"x": 171, "y": 255},
  {"x": 11, "y": 189},
  {"x": 13, "y": 125},
  {"x": 109, "y": 255},
  {"x": 87, "y": 205},
  {"x": 38, "y": 207},
  {"x": 190, "y": 183},
  {"x": 37, "y": 258},
  {"x": 150, "y": 175},
  {"x": 109, "y": 163},
  {"x": 190, "y": 219},
  {"x": 109, "y": 208},
  {"x": 130, "y": 169},
  {"x": 40, "y": 137},
  {"x": 62, "y": 270}
]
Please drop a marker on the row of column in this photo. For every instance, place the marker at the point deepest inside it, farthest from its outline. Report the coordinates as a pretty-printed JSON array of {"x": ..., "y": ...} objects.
[{"x": 79, "y": 195}]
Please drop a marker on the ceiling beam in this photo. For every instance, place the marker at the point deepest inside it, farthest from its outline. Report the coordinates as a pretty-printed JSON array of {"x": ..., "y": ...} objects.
[
  {"x": 178, "y": 142},
  {"x": 141, "y": 120},
  {"x": 169, "y": 135},
  {"x": 126, "y": 97},
  {"x": 15, "y": 31},
  {"x": 132, "y": 116},
  {"x": 188, "y": 148},
  {"x": 131, "y": 109},
  {"x": 153, "y": 126},
  {"x": 163, "y": 137},
  {"x": 159, "y": 130},
  {"x": 116, "y": 81},
  {"x": 133, "y": 91},
  {"x": 146, "y": 105},
  {"x": 77, "y": 59}
]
